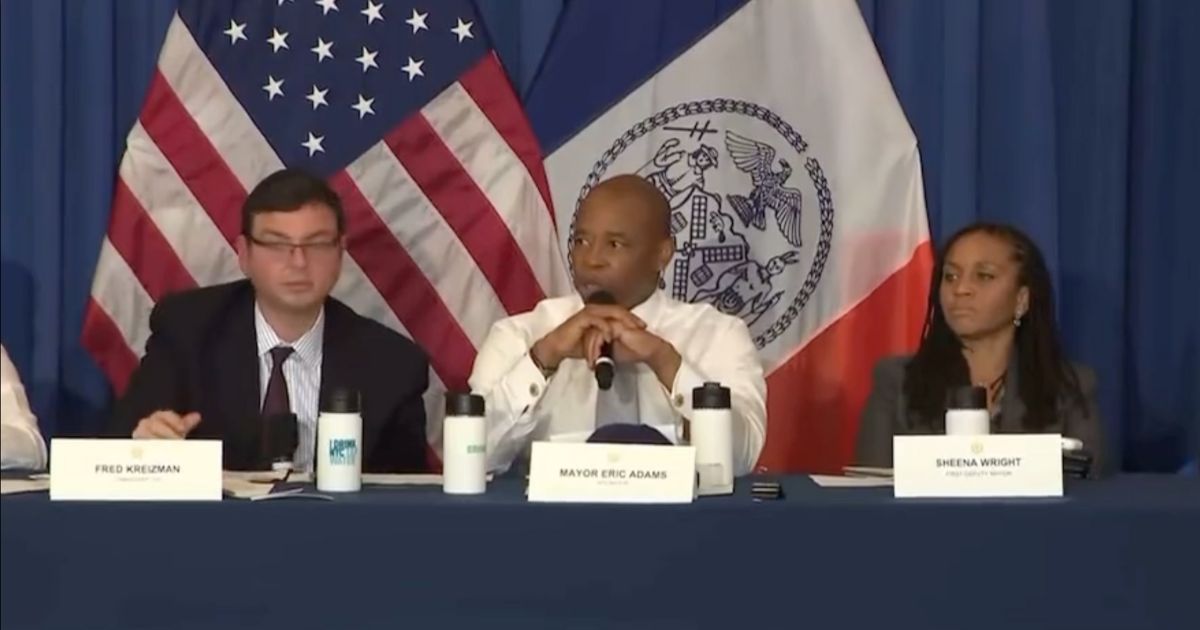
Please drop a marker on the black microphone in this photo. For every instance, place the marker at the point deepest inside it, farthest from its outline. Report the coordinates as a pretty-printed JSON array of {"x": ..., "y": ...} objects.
[
  {"x": 604, "y": 364},
  {"x": 281, "y": 437}
]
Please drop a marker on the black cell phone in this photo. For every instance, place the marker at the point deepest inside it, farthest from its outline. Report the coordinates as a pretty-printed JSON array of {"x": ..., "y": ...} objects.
[
  {"x": 766, "y": 490},
  {"x": 1077, "y": 464}
]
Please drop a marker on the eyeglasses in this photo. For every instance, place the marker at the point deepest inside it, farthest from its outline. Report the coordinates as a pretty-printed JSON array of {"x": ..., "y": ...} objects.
[{"x": 285, "y": 249}]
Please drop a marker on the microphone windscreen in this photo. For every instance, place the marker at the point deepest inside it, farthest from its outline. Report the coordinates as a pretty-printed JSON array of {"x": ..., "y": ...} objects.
[{"x": 604, "y": 371}]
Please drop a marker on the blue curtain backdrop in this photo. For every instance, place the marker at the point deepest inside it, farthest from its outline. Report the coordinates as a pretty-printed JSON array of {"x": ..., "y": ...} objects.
[{"x": 1073, "y": 119}]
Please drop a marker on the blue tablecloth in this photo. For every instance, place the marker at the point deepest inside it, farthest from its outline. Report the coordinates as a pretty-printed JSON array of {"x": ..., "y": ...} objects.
[{"x": 1120, "y": 553}]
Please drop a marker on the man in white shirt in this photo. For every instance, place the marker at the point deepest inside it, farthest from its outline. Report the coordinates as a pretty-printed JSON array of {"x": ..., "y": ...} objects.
[
  {"x": 536, "y": 370},
  {"x": 21, "y": 444}
]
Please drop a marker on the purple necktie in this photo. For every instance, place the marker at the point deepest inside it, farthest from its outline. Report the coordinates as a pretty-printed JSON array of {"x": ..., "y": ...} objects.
[{"x": 276, "y": 401}]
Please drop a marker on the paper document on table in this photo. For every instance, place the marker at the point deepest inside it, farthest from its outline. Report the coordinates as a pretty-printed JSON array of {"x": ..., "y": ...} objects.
[
  {"x": 247, "y": 484},
  {"x": 867, "y": 471},
  {"x": 17, "y": 486},
  {"x": 835, "y": 481},
  {"x": 379, "y": 479},
  {"x": 264, "y": 476},
  {"x": 269, "y": 476},
  {"x": 244, "y": 487},
  {"x": 294, "y": 493}
]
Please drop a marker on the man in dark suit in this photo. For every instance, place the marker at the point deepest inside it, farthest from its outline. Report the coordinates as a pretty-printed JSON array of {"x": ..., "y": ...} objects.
[{"x": 221, "y": 358}]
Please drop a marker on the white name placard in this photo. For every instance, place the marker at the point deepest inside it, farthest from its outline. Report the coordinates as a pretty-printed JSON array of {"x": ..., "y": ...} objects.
[
  {"x": 978, "y": 466},
  {"x": 135, "y": 470},
  {"x": 611, "y": 473}
]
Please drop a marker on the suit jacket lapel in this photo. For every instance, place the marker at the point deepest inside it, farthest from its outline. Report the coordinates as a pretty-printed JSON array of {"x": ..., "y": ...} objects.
[
  {"x": 340, "y": 367},
  {"x": 335, "y": 359},
  {"x": 236, "y": 379},
  {"x": 1012, "y": 408}
]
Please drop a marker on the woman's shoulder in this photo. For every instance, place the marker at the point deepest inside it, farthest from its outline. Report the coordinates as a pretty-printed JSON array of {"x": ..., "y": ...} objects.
[
  {"x": 1084, "y": 375},
  {"x": 892, "y": 367}
]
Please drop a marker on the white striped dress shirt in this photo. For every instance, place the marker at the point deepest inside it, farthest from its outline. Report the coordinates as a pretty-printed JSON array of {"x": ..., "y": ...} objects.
[{"x": 302, "y": 371}]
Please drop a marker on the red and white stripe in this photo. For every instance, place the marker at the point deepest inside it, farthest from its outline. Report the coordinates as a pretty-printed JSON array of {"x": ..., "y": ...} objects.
[{"x": 438, "y": 263}]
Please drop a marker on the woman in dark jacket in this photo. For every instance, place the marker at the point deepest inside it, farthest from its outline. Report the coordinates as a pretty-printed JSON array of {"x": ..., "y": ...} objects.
[{"x": 990, "y": 324}]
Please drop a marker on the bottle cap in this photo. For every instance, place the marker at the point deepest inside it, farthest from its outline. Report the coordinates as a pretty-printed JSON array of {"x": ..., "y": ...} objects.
[
  {"x": 463, "y": 404},
  {"x": 342, "y": 400},
  {"x": 966, "y": 397},
  {"x": 710, "y": 396}
]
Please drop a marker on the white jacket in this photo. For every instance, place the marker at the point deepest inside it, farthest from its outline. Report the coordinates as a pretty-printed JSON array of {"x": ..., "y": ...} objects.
[
  {"x": 21, "y": 444},
  {"x": 523, "y": 406}
]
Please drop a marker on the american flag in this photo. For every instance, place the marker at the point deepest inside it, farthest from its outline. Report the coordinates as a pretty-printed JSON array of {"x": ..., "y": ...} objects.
[{"x": 402, "y": 106}]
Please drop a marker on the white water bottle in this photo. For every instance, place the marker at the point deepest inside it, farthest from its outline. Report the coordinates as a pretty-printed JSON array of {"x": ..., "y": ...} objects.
[
  {"x": 967, "y": 412},
  {"x": 712, "y": 437},
  {"x": 339, "y": 442},
  {"x": 464, "y": 445}
]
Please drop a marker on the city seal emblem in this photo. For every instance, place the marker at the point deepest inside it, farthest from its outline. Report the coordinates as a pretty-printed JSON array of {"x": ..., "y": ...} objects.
[{"x": 752, "y": 213}]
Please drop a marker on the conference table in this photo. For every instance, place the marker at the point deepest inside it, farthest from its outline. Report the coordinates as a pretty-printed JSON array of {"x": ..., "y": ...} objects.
[{"x": 1118, "y": 553}]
